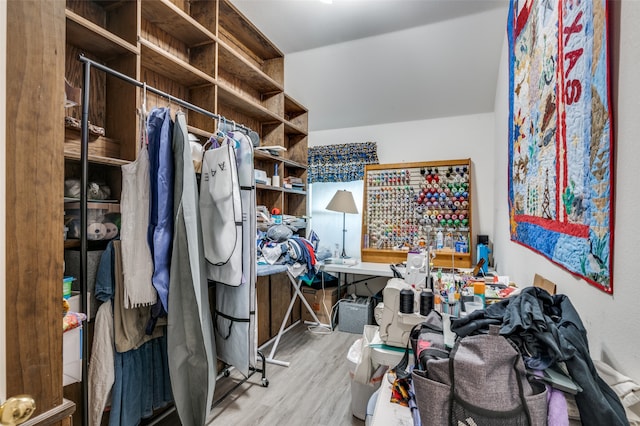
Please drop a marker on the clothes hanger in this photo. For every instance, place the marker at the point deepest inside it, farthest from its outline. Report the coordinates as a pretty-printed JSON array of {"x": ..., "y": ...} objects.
[
  {"x": 221, "y": 134},
  {"x": 144, "y": 98},
  {"x": 143, "y": 112}
]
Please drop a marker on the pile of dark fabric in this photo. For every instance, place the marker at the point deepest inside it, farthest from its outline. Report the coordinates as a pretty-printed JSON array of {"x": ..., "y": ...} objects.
[{"x": 547, "y": 329}]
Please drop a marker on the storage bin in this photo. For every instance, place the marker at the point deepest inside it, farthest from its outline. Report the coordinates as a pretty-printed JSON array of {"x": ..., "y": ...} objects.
[
  {"x": 66, "y": 287},
  {"x": 103, "y": 220},
  {"x": 72, "y": 356}
]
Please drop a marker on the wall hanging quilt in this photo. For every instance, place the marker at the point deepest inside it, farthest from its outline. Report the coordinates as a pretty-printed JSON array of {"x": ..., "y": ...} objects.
[{"x": 560, "y": 138}]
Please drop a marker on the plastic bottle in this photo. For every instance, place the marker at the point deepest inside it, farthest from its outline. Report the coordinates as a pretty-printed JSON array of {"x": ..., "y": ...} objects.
[
  {"x": 437, "y": 305},
  {"x": 478, "y": 290},
  {"x": 439, "y": 240},
  {"x": 448, "y": 241}
]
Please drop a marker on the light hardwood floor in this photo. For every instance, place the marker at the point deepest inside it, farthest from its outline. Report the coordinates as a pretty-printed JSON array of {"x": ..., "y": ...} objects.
[{"x": 315, "y": 390}]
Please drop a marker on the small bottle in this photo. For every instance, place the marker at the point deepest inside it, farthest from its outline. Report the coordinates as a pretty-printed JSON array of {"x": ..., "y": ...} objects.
[
  {"x": 439, "y": 240},
  {"x": 437, "y": 306},
  {"x": 478, "y": 290},
  {"x": 448, "y": 241}
]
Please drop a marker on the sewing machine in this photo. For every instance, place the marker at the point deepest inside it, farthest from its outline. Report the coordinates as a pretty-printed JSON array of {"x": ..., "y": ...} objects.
[
  {"x": 417, "y": 269},
  {"x": 394, "y": 325}
]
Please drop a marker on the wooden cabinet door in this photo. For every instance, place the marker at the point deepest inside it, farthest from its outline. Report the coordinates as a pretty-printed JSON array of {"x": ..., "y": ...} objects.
[{"x": 33, "y": 202}]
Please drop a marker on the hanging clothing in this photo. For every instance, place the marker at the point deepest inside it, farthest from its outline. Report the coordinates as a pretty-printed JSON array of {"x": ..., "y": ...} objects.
[
  {"x": 235, "y": 326},
  {"x": 142, "y": 383},
  {"x": 160, "y": 230},
  {"x": 192, "y": 356},
  {"x": 129, "y": 324},
  {"x": 221, "y": 211},
  {"x": 134, "y": 210},
  {"x": 101, "y": 368},
  {"x": 138, "y": 379}
]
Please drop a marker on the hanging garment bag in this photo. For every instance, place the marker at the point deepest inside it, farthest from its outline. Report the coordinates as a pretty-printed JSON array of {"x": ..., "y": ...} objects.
[
  {"x": 221, "y": 211},
  {"x": 236, "y": 338},
  {"x": 137, "y": 264},
  {"x": 190, "y": 337}
]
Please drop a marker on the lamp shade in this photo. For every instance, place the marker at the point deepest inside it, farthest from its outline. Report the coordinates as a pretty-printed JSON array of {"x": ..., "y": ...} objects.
[{"x": 343, "y": 202}]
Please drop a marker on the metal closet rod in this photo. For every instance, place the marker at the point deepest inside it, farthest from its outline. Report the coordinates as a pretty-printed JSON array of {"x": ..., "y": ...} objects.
[
  {"x": 84, "y": 162},
  {"x": 158, "y": 92}
]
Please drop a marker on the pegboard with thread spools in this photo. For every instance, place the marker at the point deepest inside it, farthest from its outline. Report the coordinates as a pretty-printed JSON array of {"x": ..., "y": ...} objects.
[{"x": 408, "y": 205}]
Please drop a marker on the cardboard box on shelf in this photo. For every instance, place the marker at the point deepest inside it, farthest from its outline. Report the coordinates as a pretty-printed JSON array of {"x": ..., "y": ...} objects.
[{"x": 321, "y": 301}]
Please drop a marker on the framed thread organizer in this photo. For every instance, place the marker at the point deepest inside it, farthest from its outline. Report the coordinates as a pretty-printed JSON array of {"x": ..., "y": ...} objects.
[{"x": 425, "y": 204}]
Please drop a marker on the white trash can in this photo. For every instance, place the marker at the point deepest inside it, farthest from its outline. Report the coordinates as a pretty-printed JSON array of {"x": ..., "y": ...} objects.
[{"x": 360, "y": 392}]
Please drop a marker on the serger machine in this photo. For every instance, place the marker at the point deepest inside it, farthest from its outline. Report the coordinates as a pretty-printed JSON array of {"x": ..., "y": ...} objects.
[{"x": 400, "y": 308}]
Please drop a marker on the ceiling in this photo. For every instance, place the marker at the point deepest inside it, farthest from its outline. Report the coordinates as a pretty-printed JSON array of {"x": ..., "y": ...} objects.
[{"x": 303, "y": 29}]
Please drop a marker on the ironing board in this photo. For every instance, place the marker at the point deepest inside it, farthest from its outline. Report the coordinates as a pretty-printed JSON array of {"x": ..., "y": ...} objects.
[{"x": 264, "y": 270}]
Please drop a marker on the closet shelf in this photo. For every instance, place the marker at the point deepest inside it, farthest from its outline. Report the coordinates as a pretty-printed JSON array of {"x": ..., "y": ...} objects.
[
  {"x": 241, "y": 32},
  {"x": 292, "y": 129},
  {"x": 269, "y": 187},
  {"x": 231, "y": 98},
  {"x": 173, "y": 20},
  {"x": 198, "y": 132},
  {"x": 263, "y": 155},
  {"x": 233, "y": 63},
  {"x": 293, "y": 107},
  {"x": 294, "y": 191},
  {"x": 94, "y": 39},
  {"x": 294, "y": 164},
  {"x": 96, "y": 159},
  {"x": 157, "y": 60},
  {"x": 295, "y": 116}
]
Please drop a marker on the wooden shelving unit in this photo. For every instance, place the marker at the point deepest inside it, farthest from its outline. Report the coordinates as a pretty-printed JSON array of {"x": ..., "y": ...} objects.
[{"x": 206, "y": 53}]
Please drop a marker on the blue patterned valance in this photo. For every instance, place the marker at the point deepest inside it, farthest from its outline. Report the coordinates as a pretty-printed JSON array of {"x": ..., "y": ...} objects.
[{"x": 341, "y": 162}]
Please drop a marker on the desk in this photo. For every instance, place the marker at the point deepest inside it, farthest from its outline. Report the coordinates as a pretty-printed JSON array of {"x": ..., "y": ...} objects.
[{"x": 360, "y": 268}]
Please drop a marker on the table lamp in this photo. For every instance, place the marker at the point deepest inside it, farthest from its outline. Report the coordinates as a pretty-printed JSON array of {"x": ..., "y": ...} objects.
[{"x": 343, "y": 202}]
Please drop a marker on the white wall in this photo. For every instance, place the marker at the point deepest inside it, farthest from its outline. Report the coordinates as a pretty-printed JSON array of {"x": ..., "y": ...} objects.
[
  {"x": 612, "y": 321},
  {"x": 425, "y": 140},
  {"x": 400, "y": 76}
]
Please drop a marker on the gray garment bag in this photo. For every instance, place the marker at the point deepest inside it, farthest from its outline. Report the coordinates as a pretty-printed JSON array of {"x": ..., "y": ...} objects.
[
  {"x": 235, "y": 323},
  {"x": 190, "y": 336},
  {"x": 221, "y": 210}
]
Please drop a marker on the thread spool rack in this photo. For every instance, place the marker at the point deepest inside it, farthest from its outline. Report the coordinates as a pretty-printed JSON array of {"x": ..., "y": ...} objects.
[{"x": 406, "y": 205}]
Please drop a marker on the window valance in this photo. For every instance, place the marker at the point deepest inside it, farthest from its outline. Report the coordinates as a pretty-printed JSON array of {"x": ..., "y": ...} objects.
[{"x": 340, "y": 162}]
